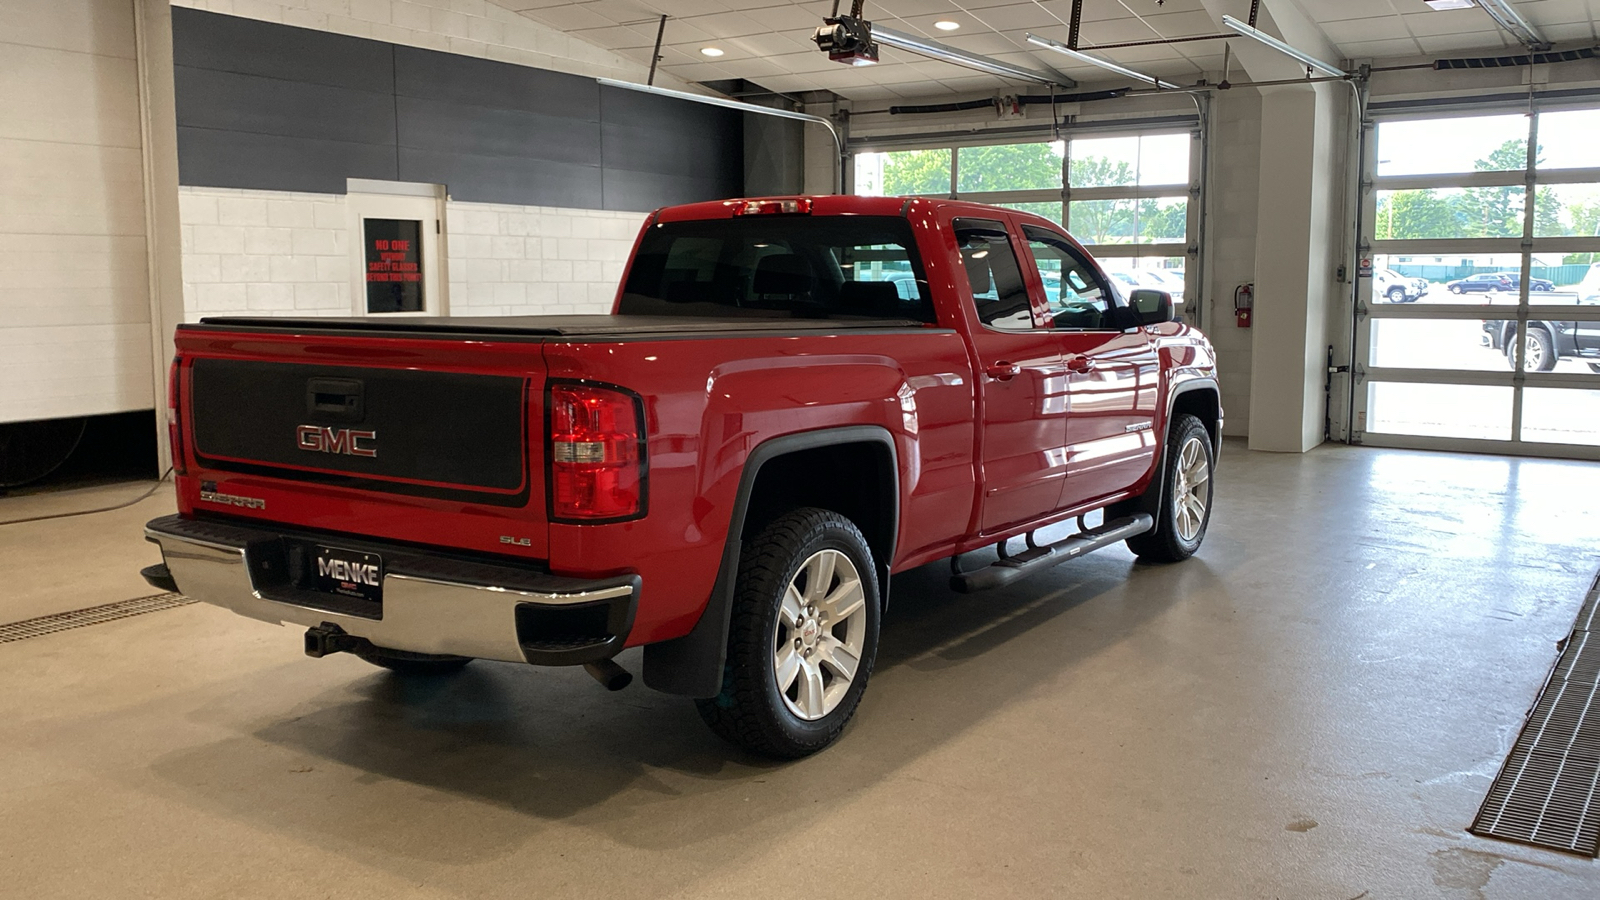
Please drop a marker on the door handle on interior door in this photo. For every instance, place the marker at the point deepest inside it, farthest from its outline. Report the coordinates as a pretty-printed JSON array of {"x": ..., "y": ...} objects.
[
  {"x": 1080, "y": 364},
  {"x": 1003, "y": 371}
]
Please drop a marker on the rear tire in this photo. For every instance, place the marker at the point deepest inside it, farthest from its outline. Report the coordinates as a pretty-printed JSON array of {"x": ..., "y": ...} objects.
[
  {"x": 408, "y": 663},
  {"x": 1186, "y": 493},
  {"x": 1541, "y": 351},
  {"x": 803, "y": 636}
]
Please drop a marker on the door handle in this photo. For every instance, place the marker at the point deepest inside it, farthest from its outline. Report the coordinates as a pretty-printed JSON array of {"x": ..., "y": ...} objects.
[
  {"x": 1080, "y": 365},
  {"x": 1003, "y": 371}
]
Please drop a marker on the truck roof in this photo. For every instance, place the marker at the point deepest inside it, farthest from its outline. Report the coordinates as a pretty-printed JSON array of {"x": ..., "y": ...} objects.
[{"x": 824, "y": 205}]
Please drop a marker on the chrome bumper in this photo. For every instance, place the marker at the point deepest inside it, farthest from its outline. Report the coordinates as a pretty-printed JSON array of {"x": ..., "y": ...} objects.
[{"x": 430, "y": 605}]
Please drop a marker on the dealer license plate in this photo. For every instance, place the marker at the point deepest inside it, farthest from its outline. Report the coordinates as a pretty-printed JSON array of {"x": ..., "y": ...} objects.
[{"x": 349, "y": 573}]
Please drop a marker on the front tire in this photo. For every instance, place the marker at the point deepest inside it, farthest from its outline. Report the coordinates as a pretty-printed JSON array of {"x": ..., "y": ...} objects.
[
  {"x": 1455, "y": 289},
  {"x": 1185, "y": 495},
  {"x": 1397, "y": 295},
  {"x": 803, "y": 636},
  {"x": 407, "y": 663}
]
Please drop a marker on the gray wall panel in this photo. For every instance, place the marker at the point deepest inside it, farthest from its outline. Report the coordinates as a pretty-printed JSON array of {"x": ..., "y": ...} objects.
[
  {"x": 698, "y": 152},
  {"x": 644, "y": 191},
  {"x": 431, "y": 75},
  {"x": 445, "y": 127},
  {"x": 222, "y": 43},
  {"x": 233, "y": 102},
  {"x": 269, "y": 106},
  {"x": 210, "y": 158},
  {"x": 500, "y": 179}
]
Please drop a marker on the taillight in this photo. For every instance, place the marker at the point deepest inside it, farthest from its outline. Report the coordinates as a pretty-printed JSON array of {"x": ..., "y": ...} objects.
[
  {"x": 596, "y": 444},
  {"x": 800, "y": 206},
  {"x": 174, "y": 428}
]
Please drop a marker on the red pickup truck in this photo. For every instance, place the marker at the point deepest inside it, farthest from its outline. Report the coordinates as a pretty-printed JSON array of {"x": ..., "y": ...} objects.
[{"x": 793, "y": 399}]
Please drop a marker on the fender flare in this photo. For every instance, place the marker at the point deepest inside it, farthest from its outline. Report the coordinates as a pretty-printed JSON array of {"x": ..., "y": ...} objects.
[
  {"x": 692, "y": 665},
  {"x": 1150, "y": 500}
]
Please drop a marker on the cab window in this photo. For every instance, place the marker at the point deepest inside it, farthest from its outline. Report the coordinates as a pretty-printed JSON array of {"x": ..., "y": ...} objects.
[
  {"x": 1075, "y": 296},
  {"x": 998, "y": 292}
]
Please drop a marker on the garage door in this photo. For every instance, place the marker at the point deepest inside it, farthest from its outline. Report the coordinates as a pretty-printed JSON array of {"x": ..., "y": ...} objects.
[
  {"x": 1479, "y": 326},
  {"x": 1125, "y": 193}
]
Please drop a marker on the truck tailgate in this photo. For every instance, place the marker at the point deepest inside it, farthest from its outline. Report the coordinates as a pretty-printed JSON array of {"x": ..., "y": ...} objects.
[{"x": 409, "y": 440}]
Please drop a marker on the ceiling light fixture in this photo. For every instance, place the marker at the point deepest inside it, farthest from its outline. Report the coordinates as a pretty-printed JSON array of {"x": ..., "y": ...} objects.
[
  {"x": 1302, "y": 57},
  {"x": 1506, "y": 16},
  {"x": 1450, "y": 4},
  {"x": 946, "y": 25},
  {"x": 946, "y": 53},
  {"x": 1106, "y": 64},
  {"x": 711, "y": 51}
]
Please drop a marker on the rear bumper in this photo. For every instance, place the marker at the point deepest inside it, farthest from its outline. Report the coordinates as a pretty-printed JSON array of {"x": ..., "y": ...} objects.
[{"x": 431, "y": 603}]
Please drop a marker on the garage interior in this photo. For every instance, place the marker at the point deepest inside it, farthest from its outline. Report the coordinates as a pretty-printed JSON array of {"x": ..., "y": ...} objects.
[{"x": 1322, "y": 703}]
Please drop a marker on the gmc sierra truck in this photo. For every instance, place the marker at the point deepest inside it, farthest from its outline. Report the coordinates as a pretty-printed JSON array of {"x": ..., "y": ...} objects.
[{"x": 793, "y": 399}]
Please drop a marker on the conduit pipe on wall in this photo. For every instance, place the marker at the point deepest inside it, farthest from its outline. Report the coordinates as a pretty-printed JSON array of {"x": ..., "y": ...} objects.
[{"x": 728, "y": 103}]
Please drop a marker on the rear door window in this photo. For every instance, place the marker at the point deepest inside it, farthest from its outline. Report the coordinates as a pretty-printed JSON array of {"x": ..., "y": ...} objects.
[
  {"x": 780, "y": 267},
  {"x": 998, "y": 292}
]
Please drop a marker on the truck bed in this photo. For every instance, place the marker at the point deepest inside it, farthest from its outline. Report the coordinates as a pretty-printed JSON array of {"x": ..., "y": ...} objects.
[{"x": 535, "y": 327}]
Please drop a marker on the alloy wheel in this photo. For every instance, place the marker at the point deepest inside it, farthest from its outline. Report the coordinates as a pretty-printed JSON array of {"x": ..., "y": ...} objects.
[
  {"x": 1190, "y": 492},
  {"x": 820, "y": 635},
  {"x": 1533, "y": 353}
]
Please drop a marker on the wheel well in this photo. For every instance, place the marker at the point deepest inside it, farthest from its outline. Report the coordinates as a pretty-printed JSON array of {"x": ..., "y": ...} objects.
[
  {"x": 855, "y": 480},
  {"x": 1203, "y": 404}
]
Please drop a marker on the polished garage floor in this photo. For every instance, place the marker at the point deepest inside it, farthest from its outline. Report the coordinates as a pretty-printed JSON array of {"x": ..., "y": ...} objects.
[{"x": 1312, "y": 708}]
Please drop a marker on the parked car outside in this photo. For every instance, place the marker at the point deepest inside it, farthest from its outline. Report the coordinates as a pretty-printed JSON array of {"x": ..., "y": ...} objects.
[
  {"x": 1534, "y": 284},
  {"x": 1169, "y": 280},
  {"x": 1482, "y": 283},
  {"x": 1387, "y": 284}
]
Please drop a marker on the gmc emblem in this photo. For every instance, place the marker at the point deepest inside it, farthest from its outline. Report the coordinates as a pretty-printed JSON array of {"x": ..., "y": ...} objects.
[{"x": 318, "y": 439}]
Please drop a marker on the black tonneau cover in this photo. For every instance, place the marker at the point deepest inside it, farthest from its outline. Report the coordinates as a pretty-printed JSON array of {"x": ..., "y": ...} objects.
[{"x": 525, "y": 327}]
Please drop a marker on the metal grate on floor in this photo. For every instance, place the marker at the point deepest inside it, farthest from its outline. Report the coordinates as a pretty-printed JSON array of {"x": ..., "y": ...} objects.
[
  {"x": 93, "y": 615},
  {"x": 1548, "y": 792}
]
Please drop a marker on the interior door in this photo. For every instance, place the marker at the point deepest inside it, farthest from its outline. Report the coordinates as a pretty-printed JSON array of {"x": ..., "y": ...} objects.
[
  {"x": 1113, "y": 376},
  {"x": 397, "y": 258},
  {"x": 1021, "y": 382}
]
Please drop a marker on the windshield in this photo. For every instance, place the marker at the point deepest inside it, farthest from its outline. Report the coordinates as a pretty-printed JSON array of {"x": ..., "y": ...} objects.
[{"x": 783, "y": 267}]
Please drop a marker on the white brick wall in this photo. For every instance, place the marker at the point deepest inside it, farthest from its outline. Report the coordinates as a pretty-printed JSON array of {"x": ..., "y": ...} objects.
[
  {"x": 264, "y": 253},
  {"x": 74, "y": 290},
  {"x": 532, "y": 260},
  {"x": 469, "y": 27},
  {"x": 274, "y": 253}
]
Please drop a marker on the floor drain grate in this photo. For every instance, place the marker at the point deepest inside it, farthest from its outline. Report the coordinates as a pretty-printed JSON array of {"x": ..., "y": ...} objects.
[
  {"x": 94, "y": 615},
  {"x": 1548, "y": 792}
]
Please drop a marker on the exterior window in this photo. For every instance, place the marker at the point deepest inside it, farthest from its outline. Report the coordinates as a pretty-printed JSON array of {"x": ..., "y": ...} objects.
[{"x": 998, "y": 292}]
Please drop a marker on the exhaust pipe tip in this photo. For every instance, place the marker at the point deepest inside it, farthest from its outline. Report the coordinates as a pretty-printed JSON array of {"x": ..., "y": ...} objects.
[{"x": 610, "y": 675}]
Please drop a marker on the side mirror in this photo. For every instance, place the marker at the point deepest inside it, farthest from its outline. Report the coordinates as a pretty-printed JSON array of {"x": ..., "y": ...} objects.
[{"x": 1151, "y": 307}]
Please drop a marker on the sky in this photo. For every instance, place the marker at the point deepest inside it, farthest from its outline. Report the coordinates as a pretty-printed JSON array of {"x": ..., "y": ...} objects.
[{"x": 1568, "y": 140}]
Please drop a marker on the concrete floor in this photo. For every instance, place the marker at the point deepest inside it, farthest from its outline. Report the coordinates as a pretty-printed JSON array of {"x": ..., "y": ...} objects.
[{"x": 1312, "y": 708}]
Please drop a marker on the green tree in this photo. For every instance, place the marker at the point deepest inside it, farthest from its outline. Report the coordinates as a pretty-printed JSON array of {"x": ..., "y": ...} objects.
[
  {"x": 1008, "y": 167},
  {"x": 1496, "y": 211},
  {"x": 1102, "y": 221},
  {"x": 1407, "y": 215},
  {"x": 917, "y": 172},
  {"x": 1100, "y": 171},
  {"x": 1163, "y": 223},
  {"x": 1585, "y": 218}
]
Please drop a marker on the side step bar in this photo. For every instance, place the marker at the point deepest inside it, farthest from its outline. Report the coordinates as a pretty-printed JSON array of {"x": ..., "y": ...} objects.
[{"x": 1036, "y": 559}]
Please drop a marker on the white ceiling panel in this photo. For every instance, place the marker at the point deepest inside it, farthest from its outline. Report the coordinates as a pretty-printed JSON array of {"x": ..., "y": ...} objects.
[{"x": 768, "y": 41}]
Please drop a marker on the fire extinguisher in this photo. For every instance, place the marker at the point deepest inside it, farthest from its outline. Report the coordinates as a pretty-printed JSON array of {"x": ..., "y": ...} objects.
[{"x": 1244, "y": 301}]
